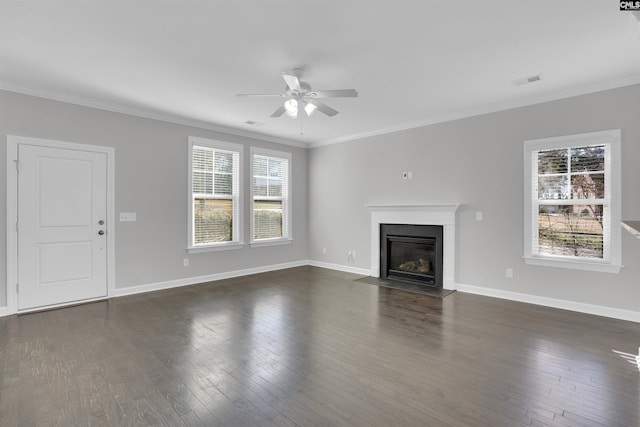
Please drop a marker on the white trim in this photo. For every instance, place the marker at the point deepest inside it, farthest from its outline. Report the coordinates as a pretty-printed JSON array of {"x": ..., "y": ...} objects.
[
  {"x": 271, "y": 242},
  {"x": 111, "y": 218},
  {"x": 432, "y": 214},
  {"x": 577, "y": 264},
  {"x": 12, "y": 203},
  {"x": 270, "y": 153},
  {"x": 143, "y": 113},
  {"x": 340, "y": 267},
  {"x": 207, "y": 278},
  {"x": 214, "y": 248},
  {"x": 487, "y": 109},
  {"x": 11, "y": 233},
  {"x": 216, "y": 143},
  {"x": 613, "y": 247},
  {"x": 615, "y": 313},
  {"x": 461, "y": 114},
  {"x": 632, "y": 227},
  {"x": 62, "y": 305},
  {"x": 287, "y": 228},
  {"x": 598, "y": 310},
  {"x": 238, "y": 214}
]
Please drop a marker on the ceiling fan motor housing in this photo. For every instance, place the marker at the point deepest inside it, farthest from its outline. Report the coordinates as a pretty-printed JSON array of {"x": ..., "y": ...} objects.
[{"x": 304, "y": 89}]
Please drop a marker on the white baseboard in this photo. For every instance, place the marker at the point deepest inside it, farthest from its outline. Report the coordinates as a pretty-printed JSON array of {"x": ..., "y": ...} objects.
[
  {"x": 615, "y": 313},
  {"x": 340, "y": 267},
  {"x": 201, "y": 279},
  {"x": 598, "y": 310}
]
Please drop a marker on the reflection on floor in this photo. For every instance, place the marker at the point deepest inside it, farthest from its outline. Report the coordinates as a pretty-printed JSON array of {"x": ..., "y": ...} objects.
[
  {"x": 309, "y": 346},
  {"x": 406, "y": 286}
]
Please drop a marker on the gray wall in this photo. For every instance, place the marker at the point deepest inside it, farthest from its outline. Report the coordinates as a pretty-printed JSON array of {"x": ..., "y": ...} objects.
[
  {"x": 477, "y": 162},
  {"x": 151, "y": 180},
  {"x": 454, "y": 162}
]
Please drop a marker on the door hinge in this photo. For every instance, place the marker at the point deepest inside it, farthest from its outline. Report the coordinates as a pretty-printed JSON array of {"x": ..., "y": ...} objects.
[
  {"x": 18, "y": 288},
  {"x": 17, "y": 162}
]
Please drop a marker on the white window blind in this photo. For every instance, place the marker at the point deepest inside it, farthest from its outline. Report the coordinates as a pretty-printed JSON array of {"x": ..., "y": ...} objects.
[
  {"x": 572, "y": 202},
  {"x": 270, "y": 188},
  {"x": 215, "y": 172}
]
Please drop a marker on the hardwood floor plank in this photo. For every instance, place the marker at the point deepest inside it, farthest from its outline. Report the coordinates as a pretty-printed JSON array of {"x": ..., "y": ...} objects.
[{"x": 312, "y": 347}]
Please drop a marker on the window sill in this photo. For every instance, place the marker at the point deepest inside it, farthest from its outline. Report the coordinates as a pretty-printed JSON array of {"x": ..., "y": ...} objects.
[
  {"x": 274, "y": 242},
  {"x": 574, "y": 264},
  {"x": 214, "y": 248}
]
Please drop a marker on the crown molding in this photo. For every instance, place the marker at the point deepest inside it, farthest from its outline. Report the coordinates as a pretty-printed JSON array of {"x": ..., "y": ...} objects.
[
  {"x": 471, "y": 112},
  {"x": 493, "y": 108},
  {"x": 139, "y": 112}
]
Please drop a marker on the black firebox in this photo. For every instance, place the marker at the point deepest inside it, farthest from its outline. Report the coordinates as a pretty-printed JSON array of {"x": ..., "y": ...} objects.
[{"x": 412, "y": 253}]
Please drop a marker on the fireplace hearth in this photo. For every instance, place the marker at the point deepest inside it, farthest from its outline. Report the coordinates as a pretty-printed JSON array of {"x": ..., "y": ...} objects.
[{"x": 412, "y": 253}]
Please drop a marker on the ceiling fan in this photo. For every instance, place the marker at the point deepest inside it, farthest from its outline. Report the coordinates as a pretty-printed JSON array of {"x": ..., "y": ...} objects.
[{"x": 300, "y": 97}]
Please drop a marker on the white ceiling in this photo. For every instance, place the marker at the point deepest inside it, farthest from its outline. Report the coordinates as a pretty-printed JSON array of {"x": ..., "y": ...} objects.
[{"x": 412, "y": 62}]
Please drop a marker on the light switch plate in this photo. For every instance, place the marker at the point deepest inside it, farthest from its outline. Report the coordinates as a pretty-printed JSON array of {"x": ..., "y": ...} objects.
[{"x": 127, "y": 216}]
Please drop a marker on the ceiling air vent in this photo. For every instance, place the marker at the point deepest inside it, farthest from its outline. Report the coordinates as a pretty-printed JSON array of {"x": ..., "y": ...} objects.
[{"x": 527, "y": 80}]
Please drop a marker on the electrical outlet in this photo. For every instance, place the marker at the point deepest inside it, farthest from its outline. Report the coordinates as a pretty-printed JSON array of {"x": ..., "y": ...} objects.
[
  {"x": 324, "y": 250},
  {"x": 478, "y": 216},
  {"x": 509, "y": 273},
  {"x": 185, "y": 262},
  {"x": 353, "y": 253}
]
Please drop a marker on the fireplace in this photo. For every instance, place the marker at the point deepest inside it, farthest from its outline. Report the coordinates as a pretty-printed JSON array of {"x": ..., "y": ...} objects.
[
  {"x": 412, "y": 253},
  {"x": 432, "y": 214}
]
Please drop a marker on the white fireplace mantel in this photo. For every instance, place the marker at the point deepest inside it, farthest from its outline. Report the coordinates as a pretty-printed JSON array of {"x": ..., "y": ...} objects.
[{"x": 432, "y": 214}]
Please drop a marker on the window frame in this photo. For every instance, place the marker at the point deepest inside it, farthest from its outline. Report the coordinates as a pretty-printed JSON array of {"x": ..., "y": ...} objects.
[
  {"x": 286, "y": 199},
  {"x": 611, "y": 263},
  {"x": 237, "y": 241}
]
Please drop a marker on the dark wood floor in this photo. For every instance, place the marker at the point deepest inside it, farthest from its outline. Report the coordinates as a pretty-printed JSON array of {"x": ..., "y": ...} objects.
[{"x": 308, "y": 346}]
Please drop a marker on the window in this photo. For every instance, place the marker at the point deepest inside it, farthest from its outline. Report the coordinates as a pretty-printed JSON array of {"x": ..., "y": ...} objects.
[
  {"x": 572, "y": 201},
  {"x": 214, "y": 184},
  {"x": 270, "y": 219}
]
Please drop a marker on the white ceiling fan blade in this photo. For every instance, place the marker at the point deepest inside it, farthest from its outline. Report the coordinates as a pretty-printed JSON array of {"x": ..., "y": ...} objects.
[
  {"x": 280, "y": 111},
  {"x": 323, "y": 108},
  {"x": 292, "y": 82},
  {"x": 338, "y": 93},
  {"x": 263, "y": 94}
]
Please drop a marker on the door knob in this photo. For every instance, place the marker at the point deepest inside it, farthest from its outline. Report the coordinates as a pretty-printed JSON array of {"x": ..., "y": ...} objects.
[{"x": 101, "y": 232}]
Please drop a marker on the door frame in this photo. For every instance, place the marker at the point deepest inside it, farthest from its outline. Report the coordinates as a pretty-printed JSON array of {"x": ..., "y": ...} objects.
[{"x": 12, "y": 215}]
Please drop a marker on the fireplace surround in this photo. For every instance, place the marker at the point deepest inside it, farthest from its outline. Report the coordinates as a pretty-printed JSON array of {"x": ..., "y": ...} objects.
[{"x": 432, "y": 214}]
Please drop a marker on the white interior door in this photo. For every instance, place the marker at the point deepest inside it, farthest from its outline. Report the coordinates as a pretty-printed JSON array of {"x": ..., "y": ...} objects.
[{"x": 62, "y": 213}]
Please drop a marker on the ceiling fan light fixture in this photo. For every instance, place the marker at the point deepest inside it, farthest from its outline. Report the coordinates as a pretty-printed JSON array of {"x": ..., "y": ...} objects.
[
  {"x": 291, "y": 108},
  {"x": 310, "y": 108}
]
